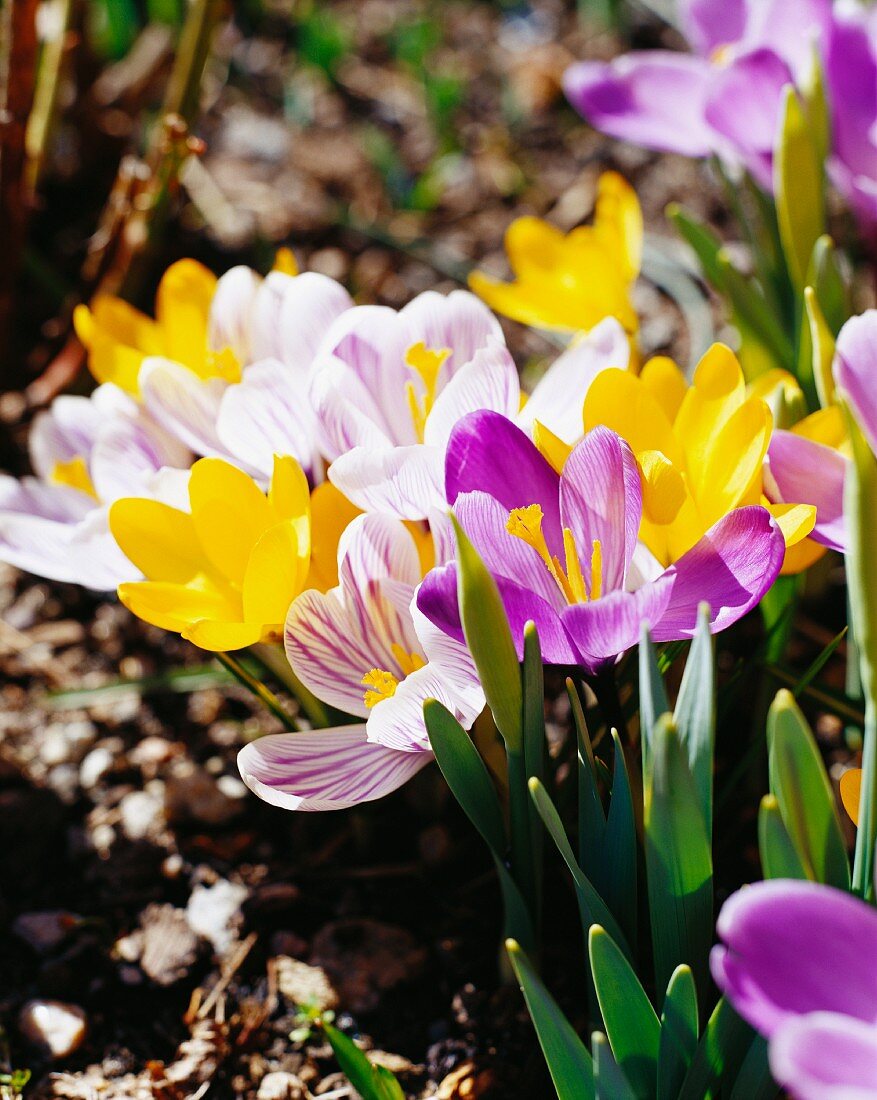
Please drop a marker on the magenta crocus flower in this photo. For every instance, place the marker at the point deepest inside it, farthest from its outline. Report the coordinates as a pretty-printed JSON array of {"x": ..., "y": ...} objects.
[
  {"x": 564, "y": 549},
  {"x": 798, "y": 963},
  {"x": 723, "y": 98}
]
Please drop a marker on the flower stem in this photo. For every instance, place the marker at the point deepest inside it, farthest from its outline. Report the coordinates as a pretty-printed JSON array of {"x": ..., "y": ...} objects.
[
  {"x": 274, "y": 660},
  {"x": 266, "y": 697}
]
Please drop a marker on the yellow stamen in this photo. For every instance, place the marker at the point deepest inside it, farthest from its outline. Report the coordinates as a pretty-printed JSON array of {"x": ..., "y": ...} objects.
[
  {"x": 526, "y": 524},
  {"x": 74, "y": 475},
  {"x": 408, "y": 662},
  {"x": 574, "y": 568},
  {"x": 381, "y": 685},
  {"x": 596, "y": 570},
  {"x": 426, "y": 363}
]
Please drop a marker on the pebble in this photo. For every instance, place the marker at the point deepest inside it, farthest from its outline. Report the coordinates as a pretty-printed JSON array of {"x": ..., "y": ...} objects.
[
  {"x": 43, "y": 931},
  {"x": 95, "y": 765},
  {"x": 214, "y": 913},
  {"x": 281, "y": 1086},
  {"x": 57, "y": 1027},
  {"x": 141, "y": 814},
  {"x": 306, "y": 986},
  {"x": 193, "y": 795}
]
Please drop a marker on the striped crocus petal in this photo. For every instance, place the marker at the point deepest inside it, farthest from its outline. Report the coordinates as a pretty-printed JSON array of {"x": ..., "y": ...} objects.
[
  {"x": 184, "y": 404},
  {"x": 328, "y": 769}
]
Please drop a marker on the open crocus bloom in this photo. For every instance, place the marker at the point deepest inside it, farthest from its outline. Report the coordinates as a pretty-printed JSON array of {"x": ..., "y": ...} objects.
[
  {"x": 701, "y": 448},
  {"x": 722, "y": 99},
  {"x": 563, "y": 547},
  {"x": 572, "y": 282},
  {"x": 365, "y": 648},
  {"x": 223, "y": 574},
  {"x": 389, "y": 387},
  {"x": 798, "y": 964},
  {"x": 86, "y": 452}
]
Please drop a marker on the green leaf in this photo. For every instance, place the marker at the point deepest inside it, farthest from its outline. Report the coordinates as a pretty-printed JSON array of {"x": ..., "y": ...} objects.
[
  {"x": 631, "y": 1024},
  {"x": 679, "y": 1029},
  {"x": 489, "y": 639},
  {"x": 610, "y": 1082},
  {"x": 678, "y": 861},
  {"x": 534, "y": 753},
  {"x": 592, "y": 908},
  {"x": 798, "y": 187},
  {"x": 701, "y": 240},
  {"x": 821, "y": 348},
  {"x": 372, "y": 1082},
  {"x": 695, "y": 713},
  {"x": 720, "y": 1052},
  {"x": 569, "y": 1062},
  {"x": 804, "y": 794},
  {"x": 815, "y": 106},
  {"x": 860, "y": 509},
  {"x": 830, "y": 283},
  {"x": 652, "y": 694},
  {"x": 620, "y": 847},
  {"x": 779, "y": 858},
  {"x": 592, "y": 819},
  {"x": 754, "y": 1081},
  {"x": 752, "y": 313},
  {"x": 466, "y": 774}
]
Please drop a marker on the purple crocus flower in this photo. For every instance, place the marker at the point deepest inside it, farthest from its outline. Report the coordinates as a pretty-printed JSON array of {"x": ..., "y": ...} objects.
[
  {"x": 564, "y": 549},
  {"x": 855, "y": 370},
  {"x": 723, "y": 98},
  {"x": 798, "y": 963}
]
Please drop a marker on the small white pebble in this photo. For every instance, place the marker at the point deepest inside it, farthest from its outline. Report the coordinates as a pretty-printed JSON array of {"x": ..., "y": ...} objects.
[{"x": 57, "y": 1027}]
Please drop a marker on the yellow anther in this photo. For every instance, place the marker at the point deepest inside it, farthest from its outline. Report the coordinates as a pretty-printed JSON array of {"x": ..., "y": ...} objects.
[
  {"x": 223, "y": 364},
  {"x": 596, "y": 571},
  {"x": 74, "y": 475},
  {"x": 426, "y": 363},
  {"x": 408, "y": 662},
  {"x": 574, "y": 568},
  {"x": 381, "y": 685},
  {"x": 526, "y": 524}
]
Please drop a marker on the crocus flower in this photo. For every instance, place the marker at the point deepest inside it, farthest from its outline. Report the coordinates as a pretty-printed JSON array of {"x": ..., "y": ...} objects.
[
  {"x": 389, "y": 387},
  {"x": 798, "y": 964},
  {"x": 701, "y": 448},
  {"x": 224, "y": 573},
  {"x": 572, "y": 282},
  {"x": 563, "y": 547},
  {"x": 855, "y": 371},
  {"x": 364, "y": 647},
  {"x": 723, "y": 98},
  {"x": 85, "y": 452}
]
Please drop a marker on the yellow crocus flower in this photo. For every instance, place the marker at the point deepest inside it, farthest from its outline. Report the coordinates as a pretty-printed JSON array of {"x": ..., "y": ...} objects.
[
  {"x": 700, "y": 448},
  {"x": 119, "y": 337},
  {"x": 223, "y": 574},
  {"x": 571, "y": 282}
]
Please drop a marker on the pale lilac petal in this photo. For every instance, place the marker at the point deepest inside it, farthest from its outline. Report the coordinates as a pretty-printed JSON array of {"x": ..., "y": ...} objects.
[
  {"x": 231, "y": 312},
  {"x": 810, "y": 472},
  {"x": 31, "y": 497},
  {"x": 789, "y": 27},
  {"x": 328, "y": 769},
  {"x": 171, "y": 487},
  {"x": 397, "y": 722},
  {"x": 376, "y": 548},
  {"x": 347, "y": 414},
  {"x": 83, "y": 553},
  {"x": 794, "y": 947},
  {"x": 183, "y": 404},
  {"x": 452, "y": 660},
  {"x": 459, "y": 321},
  {"x": 826, "y": 1056},
  {"x": 601, "y": 630},
  {"x": 488, "y": 381},
  {"x": 601, "y": 501},
  {"x": 65, "y": 431},
  {"x": 560, "y": 393},
  {"x": 266, "y": 414},
  {"x": 851, "y": 73},
  {"x": 404, "y": 482},
  {"x": 709, "y": 24},
  {"x": 855, "y": 370},
  {"x": 652, "y": 98},
  {"x": 730, "y": 568},
  {"x": 292, "y": 315},
  {"x": 128, "y": 453}
]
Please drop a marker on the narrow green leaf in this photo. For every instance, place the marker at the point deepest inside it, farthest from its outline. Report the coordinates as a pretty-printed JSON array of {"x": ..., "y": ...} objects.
[
  {"x": 592, "y": 819},
  {"x": 652, "y": 694},
  {"x": 701, "y": 240},
  {"x": 779, "y": 858},
  {"x": 798, "y": 187},
  {"x": 695, "y": 713},
  {"x": 610, "y": 1082},
  {"x": 372, "y": 1082},
  {"x": 753, "y": 315},
  {"x": 721, "y": 1050},
  {"x": 592, "y": 908},
  {"x": 517, "y": 922},
  {"x": 631, "y": 1024},
  {"x": 466, "y": 774},
  {"x": 620, "y": 847},
  {"x": 815, "y": 106},
  {"x": 679, "y": 1029},
  {"x": 830, "y": 282},
  {"x": 490, "y": 641},
  {"x": 860, "y": 509},
  {"x": 534, "y": 753},
  {"x": 822, "y": 349},
  {"x": 754, "y": 1081},
  {"x": 804, "y": 793},
  {"x": 569, "y": 1062},
  {"x": 678, "y": 861}
]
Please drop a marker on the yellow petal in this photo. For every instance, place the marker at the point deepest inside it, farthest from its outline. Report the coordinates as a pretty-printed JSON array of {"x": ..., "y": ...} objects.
[
  {"x": 74, "y": 475},
  {"x": 619, "y": 220},
  {"x": 825, "y": 426},
  {"x": 533, "y": 246},
  {"x": 850, "y": 792},
  {"x": 230, "y": 513},
  {"x": 770, "y": 380},
  {"x": 331, "y": 514},
  {"x": 619, "y": 400},
  {"x": 176, "y": 606},
  {"x": 223, "y": 637},
  {"x": 666, "y": 382},
  {"x": 275, "y": 574},
  {"x": 730, "y": 474},
  {"x": 796, "y": 521},
  {"x": 110, "y": 361},
  {"x": 284, "y": 262},
  {"x": 801, "y": 556},
  {"x": 126, "y": 325},
  {"x": 182, "y": 308},
  {"x": 664, "y": 490},
  {"x": 161, "y": 541},
  {"x": 423, "y": 541},
  {"x": 716, "y": 393},
  {"x": 551, "y": 446}
]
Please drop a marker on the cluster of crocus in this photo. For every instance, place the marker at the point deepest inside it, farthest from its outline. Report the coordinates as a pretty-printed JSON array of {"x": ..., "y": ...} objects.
[{"x": 724, "y": 97}]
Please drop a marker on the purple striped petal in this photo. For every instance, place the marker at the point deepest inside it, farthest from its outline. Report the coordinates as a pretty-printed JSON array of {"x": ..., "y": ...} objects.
[
  {"x": 405, "y": 482},
  {"x": 183, "y": 404},
  {"x": 31, "y": 497},
  {"x": 128, "y": 453},
  {"x": 348, "y": 415},
  {"x": 459, "y": 321},
  {"x": 397, "y": 722},
  {"x": 231, "y": 310},
  {"x": 855, "y": 370},
  {"x": 652, "y": 98},
  {"x": 65, "y": 431},
  {"x": 730, "y": 568},
  {"x": 792, "y": 948},
  {"x": 825, "y": 1056},
  {"x": 805, "y": 470},
  {"x": 488, "y": 381},
  {"x": 603, "y": 629},
  {"x": 291, "y": 316},
  {"x": 601, "y": 500},
  {"x": 330, "y": 769}
]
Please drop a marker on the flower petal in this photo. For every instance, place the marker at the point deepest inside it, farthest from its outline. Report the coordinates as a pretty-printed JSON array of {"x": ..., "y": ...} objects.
[
  {"x": 178, "y": 606},
  {"x": 329, "y": 769},
  {"x": 826, "y": 1056},
  {"x": 161, "y": 541},
  {"x": 807, "y": 471},
  {"x": 80, "y": 552},
  {"x": 231, "y": 310},
  {"x": 398, "y": 722},
  {"x": 403, "y": 481},
  {"x": 459, "y": 321},
  {"x": 127, "y": 453},
  {"x": 488, "y": 381},
  {"x": 855, "y": 368},
  {"x": 275, "y": 574},
  {"x": 229, "y": 512},
  {"x": 709, "y": 24},
  {"x": 291, "y": 317},
  {"x": 602, "y": 630},
  {"x": 184, "y": 404}
]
